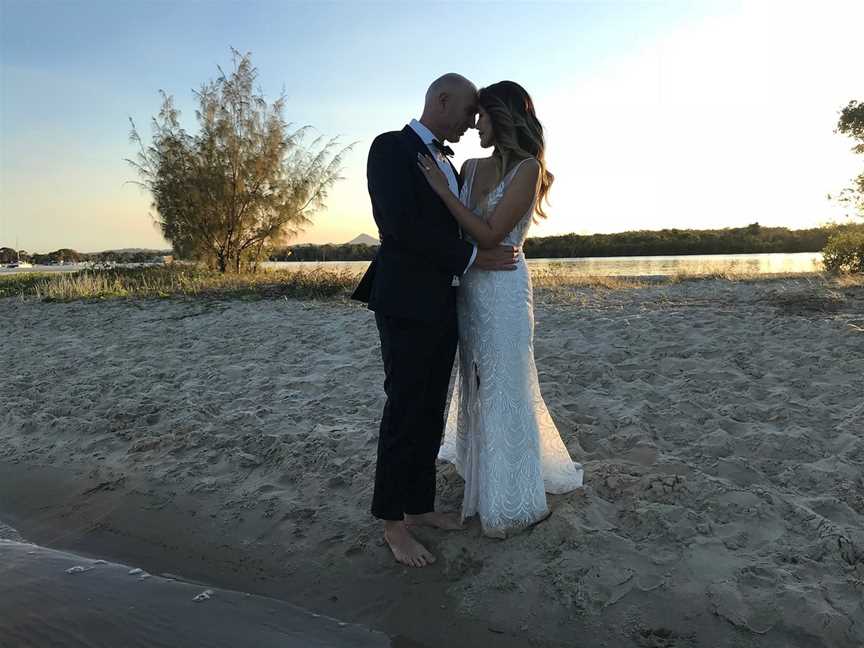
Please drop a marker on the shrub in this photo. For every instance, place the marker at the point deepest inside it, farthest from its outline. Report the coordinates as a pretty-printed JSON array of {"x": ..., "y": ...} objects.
[{"x": 844, "y": 252}]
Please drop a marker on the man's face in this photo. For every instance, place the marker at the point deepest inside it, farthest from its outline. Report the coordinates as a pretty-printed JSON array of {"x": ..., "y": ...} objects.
[{"x": 460, "y": 113}]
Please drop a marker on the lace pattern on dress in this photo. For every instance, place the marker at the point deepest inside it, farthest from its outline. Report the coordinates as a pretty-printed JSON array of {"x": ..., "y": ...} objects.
[{"x": 499, "y": 433}]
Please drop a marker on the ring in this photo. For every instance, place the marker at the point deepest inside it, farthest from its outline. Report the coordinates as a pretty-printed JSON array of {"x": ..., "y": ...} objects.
[{"x": 427, "y": 168}]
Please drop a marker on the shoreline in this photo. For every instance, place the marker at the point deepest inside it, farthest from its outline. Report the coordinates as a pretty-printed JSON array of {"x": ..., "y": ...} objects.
[
  {"x": 59, "y": 598},
  {"x": 98, "y": 516}
]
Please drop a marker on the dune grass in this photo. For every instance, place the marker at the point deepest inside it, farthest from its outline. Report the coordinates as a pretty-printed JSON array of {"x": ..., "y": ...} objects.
[
  {"x": 179, "y": 281},
  {"x": 556, "y": 278}
]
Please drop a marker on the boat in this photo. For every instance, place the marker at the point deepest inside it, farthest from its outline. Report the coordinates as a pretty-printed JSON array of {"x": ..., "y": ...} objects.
[{"x": 18, "y": 263}]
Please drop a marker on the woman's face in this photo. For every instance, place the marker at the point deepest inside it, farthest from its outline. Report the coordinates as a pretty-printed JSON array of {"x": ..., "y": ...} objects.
[{"x": 484, "y": 128}]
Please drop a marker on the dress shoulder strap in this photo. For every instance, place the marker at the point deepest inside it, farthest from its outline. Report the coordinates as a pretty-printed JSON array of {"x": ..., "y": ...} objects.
[
  {"x": 468, "y": 182},
  {"x": 512, "y": 172},
  {"x": 472, "y": 170}
]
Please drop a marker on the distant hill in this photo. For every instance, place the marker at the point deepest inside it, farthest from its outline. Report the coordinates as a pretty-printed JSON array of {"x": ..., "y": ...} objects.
[{"x": 364, "y": 239}]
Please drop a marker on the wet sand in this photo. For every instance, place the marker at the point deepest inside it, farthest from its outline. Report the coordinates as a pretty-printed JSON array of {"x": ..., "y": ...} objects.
[{"x": 57, "y": 599}]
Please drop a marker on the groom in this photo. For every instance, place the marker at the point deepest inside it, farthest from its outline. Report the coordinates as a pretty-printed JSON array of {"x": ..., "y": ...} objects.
[{"x": 411, "y": 285}]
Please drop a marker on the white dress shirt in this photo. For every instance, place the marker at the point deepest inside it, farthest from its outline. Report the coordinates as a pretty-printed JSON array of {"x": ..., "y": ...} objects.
[{"x": 444, "y": 164}]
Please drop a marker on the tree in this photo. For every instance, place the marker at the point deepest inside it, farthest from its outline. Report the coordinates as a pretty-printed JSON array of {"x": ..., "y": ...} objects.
[
  {"x": 64, "y": 254},
  {"x": 754, "y": 229},
  {"x": 851, "y": 124},
  {"x": 245, "y": 183}
]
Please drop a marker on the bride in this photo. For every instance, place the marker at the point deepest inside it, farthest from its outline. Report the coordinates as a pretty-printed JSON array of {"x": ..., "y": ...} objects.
[{"x": 499, "y": 432}]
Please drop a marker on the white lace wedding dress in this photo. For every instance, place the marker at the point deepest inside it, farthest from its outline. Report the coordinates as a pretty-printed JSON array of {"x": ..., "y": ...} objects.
[{"x": 499, "y": 433}]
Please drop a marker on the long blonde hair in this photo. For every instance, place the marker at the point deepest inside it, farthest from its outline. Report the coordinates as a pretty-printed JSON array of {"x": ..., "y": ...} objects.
[{"x": 518, "y": 132}]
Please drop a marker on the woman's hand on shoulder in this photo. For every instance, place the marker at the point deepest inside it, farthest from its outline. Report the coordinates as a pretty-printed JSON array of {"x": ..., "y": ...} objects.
[{"x": 433, "y": 174}]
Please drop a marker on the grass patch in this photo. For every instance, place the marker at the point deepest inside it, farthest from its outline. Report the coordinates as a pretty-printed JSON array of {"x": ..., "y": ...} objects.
[
  {"x": 559, "y": 276},
  {"x": 19, "y": 284},
  {"x": 318, "y": 283},
  {"x": 178, "y": 281},
  {"x": 848, "y": 280}
]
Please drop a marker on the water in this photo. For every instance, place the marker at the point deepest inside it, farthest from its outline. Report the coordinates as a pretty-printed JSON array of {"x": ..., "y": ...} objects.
[
  {"x": 66, "y": 267},
  {"x": 72, "y": 267},
  {"x": 52, "y": 598},
  {"x": 635, "y": 265},
  {"x": 596, "y": 266}
]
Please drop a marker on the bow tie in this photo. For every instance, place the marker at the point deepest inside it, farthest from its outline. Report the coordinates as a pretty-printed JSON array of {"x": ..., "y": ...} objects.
[{"x": 445, "y": 150}]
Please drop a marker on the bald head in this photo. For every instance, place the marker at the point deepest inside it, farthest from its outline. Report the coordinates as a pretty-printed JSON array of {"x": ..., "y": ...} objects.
[
  {"x": 450, "y": 107},
  {"x": 451, "y": 84}
]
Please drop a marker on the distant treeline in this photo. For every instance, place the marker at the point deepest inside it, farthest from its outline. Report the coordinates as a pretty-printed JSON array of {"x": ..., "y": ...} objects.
[
  {"x": 742, "y": 240},
  {"x": 346, "y": 252},
  {"x": 67, "y": 255}
]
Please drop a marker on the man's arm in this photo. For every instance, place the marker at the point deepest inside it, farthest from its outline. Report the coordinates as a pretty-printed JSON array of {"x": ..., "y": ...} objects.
[{"x": 398, "y": 215}]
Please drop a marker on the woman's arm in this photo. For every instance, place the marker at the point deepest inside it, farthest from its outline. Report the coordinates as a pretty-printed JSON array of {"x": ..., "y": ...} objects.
[{"x": 517, "y": 200}]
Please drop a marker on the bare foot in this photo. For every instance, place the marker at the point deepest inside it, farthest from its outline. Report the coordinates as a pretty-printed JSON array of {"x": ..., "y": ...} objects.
[
  {"x": 446, "y": 521},
  {"x": 405, "y": 547}
]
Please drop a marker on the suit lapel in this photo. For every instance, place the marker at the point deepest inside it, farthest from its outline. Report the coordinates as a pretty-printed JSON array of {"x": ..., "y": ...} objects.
[
  {"x": 458, "y": 177},
  {"x": 415, "y": 145}
]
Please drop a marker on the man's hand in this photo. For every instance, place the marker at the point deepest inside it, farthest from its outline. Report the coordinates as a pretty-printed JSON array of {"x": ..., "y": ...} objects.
[{"x": 499, "y": 258}]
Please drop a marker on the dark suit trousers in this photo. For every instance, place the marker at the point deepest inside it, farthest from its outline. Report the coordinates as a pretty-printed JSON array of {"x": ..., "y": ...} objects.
[{"x": 418, "y": 358}]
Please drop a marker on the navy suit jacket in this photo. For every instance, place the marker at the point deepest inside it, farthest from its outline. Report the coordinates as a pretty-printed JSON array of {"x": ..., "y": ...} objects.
[{"x": 421, "y": 249}]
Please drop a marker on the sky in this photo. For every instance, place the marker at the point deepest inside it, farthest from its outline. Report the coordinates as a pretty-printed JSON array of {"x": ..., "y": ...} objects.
[{"x": 687, "y": 114}]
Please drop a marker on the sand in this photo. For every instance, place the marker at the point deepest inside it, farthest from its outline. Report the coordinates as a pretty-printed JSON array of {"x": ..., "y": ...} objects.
[{"x": 721, "y": 425}]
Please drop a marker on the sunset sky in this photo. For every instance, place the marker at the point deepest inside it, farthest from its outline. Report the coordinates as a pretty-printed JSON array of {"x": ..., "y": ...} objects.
[{"x": 658, "y": 114}]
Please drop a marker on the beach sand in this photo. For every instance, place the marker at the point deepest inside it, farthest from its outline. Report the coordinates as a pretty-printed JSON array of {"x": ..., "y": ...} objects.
[{"x": 721, "y": 426}]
